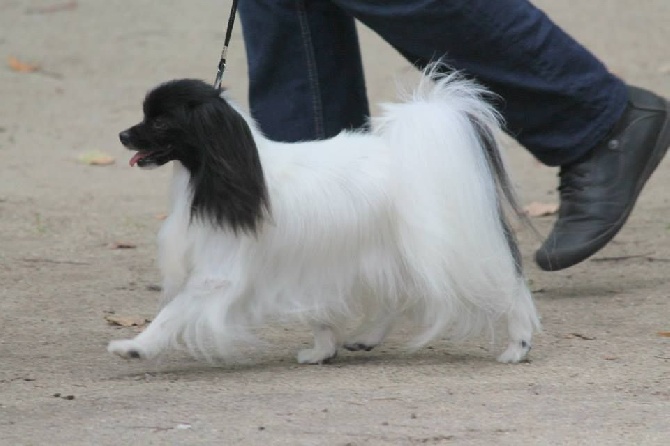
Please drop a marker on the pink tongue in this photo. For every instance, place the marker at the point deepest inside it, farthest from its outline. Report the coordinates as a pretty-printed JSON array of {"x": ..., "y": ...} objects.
[{"x": 138, "y": 156}]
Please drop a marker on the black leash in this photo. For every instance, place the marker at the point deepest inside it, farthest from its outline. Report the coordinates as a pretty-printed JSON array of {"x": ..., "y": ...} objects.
[{"x": 229, "y": 32}]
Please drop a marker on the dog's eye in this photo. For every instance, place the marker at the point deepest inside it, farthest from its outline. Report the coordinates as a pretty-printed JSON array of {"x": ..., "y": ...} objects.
[{"x": 159, "y": 124}]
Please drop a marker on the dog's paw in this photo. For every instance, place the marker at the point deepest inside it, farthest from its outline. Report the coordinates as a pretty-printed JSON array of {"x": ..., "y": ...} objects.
[
  {"x": 314, "y": 356},
  {"x": 516, "y": 352},
  {"x": 127, "y": 348},
  {"x": 358, "y": 346},
  {"x": 368, "y": 335}
]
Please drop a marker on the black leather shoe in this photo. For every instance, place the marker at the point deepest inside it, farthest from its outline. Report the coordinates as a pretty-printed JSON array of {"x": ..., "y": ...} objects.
[{"x": 598, "y": 191}]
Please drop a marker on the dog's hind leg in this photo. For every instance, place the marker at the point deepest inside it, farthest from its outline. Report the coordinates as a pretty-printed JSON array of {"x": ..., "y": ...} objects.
[
  {"x": 522, "y": 321},
  {"x": 371, "y": 332},
  {"x": 326, "y": 343}
]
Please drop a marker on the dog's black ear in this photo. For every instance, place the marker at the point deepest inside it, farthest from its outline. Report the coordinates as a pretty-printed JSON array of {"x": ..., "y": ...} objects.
[{"x": 229, "y": 188}]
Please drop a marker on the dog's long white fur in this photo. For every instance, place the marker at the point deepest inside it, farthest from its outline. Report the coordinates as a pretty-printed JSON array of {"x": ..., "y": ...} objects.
[{"x": 403, "y": 220}]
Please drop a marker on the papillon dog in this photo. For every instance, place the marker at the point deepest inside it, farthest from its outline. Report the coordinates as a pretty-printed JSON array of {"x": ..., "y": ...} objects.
[{"x": 405, "y": 219}]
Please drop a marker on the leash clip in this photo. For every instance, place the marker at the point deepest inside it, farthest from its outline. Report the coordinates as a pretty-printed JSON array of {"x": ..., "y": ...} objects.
[
  {"x": 229, "y": 31},
  {"x": 222, "y": 68}
]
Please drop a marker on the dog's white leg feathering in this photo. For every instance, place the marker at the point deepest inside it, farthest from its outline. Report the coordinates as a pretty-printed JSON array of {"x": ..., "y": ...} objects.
[{"x": 325, "y": 347}]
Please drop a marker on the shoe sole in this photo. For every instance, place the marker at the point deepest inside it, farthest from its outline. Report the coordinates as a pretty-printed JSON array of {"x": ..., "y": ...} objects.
[{"x": 662, "y": 145}]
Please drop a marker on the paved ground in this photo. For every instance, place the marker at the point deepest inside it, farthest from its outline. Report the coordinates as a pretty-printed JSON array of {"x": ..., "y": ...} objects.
[{"x": 600, "y": 371}]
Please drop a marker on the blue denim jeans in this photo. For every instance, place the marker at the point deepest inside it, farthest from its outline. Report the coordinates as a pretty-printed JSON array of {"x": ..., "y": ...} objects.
[{"x": 306, "y": 78}]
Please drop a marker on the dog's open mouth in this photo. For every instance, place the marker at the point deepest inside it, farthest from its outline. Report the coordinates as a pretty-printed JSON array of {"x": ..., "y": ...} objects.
[{"x": 142, "y": 159}]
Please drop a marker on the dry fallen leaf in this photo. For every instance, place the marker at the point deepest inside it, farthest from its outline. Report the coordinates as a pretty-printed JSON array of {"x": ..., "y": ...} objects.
[
  {"x": 161, "y": 216},
  {"x": 579, "y": 336},
  {"x": 537, "y": 209},
  {"x": 127, "y": 321},
  {"x": 96, "y": 158},
  {"x": 67, "y": 6},
  {"x": 664, "y": 334},
  {"x": 20, "y": 66},
  {"x": 122, "y": 245}
]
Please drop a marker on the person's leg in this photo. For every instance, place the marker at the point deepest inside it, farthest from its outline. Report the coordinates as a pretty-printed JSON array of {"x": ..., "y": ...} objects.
[
  {"x": 305, "y": 73},
  {"x": 558, "y": 101}
]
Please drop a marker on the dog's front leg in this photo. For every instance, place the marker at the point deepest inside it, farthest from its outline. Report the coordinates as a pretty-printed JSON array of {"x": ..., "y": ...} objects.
[
  {"x": 326, "y": 343},
  {"x": 157, "y": 337}
]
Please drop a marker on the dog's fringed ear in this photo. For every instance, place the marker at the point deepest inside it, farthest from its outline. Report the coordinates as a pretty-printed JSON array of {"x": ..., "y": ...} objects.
[{"x": 229, "y": 189}]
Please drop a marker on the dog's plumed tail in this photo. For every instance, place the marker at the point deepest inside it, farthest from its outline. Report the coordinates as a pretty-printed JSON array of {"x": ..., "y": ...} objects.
[{"x": 448, "y": 170}]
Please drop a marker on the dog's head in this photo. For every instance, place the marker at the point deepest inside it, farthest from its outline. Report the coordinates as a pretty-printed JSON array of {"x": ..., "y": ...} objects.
[
  {"x": 168, "y": 131},
  {"x": 188, "y": 121}
]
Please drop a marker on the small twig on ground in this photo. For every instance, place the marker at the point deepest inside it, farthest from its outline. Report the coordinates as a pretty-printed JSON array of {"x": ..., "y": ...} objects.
[
  {"x": 67, "y": 6},
  {"x": 580, "y": 336},
  {"x": 619, "y": 258},
  {"x": 647, "y": 257},
  {"x": 40, "y": 260}
]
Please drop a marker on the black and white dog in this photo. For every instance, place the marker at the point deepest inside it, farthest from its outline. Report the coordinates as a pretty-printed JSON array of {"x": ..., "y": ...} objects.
[{"x": 404, "y": 220}]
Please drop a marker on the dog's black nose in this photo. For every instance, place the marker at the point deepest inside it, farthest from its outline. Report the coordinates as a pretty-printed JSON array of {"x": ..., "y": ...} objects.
[{"x": 124, "y": 136}]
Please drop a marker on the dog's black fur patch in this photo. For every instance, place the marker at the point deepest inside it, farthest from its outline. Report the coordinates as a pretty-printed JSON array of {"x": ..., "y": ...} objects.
[{"x": 187, "y": 120}]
